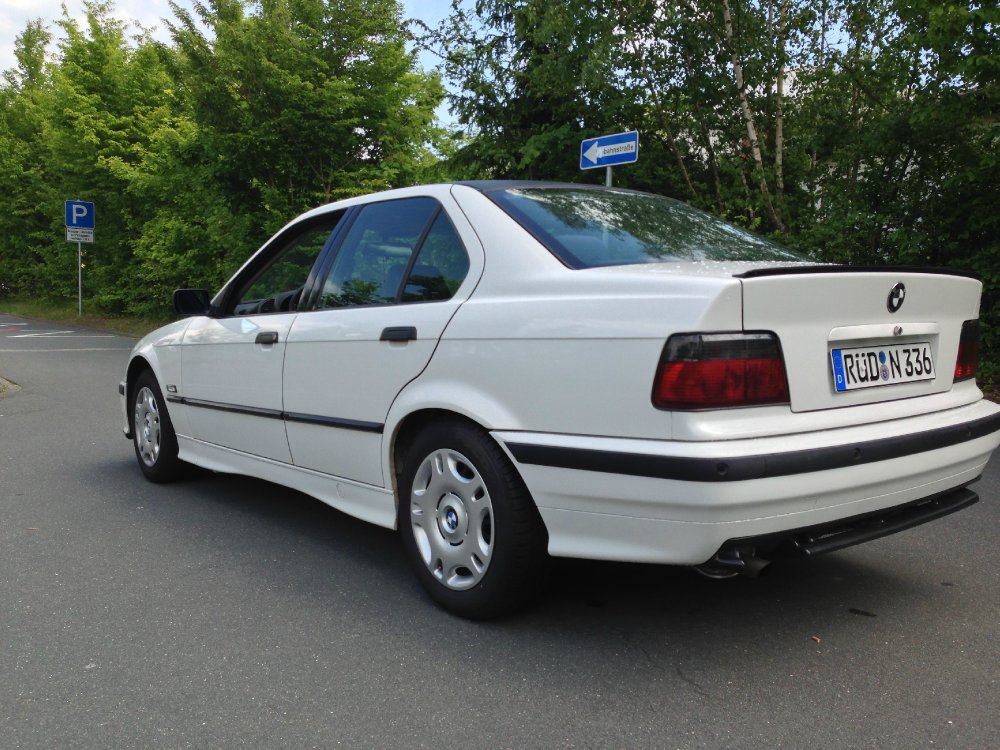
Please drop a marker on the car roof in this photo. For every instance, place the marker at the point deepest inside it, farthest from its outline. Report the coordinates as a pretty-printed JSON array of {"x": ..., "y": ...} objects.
[
  {"x": 489, "y": 186},
  {"x": 482, "y": 186}
]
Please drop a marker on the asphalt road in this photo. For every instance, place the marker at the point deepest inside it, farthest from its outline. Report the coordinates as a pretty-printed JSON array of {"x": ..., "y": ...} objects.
[{"x": 226, "y": 612}]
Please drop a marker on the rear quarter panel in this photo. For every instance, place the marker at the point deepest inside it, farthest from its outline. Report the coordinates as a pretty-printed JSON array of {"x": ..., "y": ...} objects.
[{"x": 541, "y": 347}]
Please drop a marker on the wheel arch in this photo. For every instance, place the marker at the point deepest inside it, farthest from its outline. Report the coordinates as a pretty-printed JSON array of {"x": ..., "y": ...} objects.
[
  {"x": 409, "y": 426},
  {"x": 142, "y": 362},
  {"x": 507, "y": 564},
  {"x": 136, "y": 366},
  {"x": 425, "y": 400},
  {"x": 406, "y": 431},
  {"x": 156, "y": 444}
]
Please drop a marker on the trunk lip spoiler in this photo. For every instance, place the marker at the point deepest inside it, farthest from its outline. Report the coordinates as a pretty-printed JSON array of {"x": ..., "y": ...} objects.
[{"x": 830, "y": 268}]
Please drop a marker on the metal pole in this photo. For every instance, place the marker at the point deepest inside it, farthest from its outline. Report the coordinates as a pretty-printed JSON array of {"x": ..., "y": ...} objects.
[
  {"x": 79, "y": 279},
  {"x": 607, "y": 178}
]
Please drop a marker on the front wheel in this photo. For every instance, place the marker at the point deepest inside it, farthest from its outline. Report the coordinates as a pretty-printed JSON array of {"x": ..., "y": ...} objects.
[
  {"x": 152, "y": 431},
  {"x": 468, "y": 523}
]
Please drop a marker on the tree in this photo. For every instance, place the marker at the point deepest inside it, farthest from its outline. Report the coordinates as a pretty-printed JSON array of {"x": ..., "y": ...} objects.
[
  {"x": 300, "y": 103},
  {"x": 535, "y": 78},
  {"x": 195, "y": 152},
  {"x": 25, "y": 226}
]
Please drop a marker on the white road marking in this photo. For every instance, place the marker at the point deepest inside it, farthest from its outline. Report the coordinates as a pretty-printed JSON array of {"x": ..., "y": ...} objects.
[
  {"x": 38, "y": 334},
  {"x": 59, "y": 335}
]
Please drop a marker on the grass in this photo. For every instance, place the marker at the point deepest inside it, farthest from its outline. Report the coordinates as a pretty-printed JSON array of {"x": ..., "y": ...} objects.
[
  {"x": 66, "y": 312},
  {"x": 6, "y": 388}
]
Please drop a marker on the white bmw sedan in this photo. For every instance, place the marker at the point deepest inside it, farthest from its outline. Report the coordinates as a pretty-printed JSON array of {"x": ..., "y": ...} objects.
[{"x": 508, "y": 371}]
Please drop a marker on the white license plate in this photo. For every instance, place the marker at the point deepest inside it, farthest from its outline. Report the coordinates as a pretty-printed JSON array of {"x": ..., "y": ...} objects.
[{"x": 870, "y": 366}]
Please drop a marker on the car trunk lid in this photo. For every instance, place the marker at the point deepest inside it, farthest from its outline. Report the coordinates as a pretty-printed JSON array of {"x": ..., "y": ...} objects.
[{"x": 874, "y": 329}]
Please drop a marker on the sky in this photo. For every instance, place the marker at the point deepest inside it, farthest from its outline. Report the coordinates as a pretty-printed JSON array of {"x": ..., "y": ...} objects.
[{"x": 14, "y": 14}]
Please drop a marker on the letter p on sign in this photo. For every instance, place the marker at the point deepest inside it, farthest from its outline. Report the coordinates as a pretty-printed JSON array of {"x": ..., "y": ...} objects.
[{"x": 79, "y": 214}]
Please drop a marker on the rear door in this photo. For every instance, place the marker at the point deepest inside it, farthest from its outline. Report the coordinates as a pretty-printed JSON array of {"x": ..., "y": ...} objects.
[
  {"x": 394, "y": 284},
  {"x": 852, "y": 337}
]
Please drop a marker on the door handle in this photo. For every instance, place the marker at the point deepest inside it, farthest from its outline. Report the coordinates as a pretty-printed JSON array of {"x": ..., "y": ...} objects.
[
  {"x": 399, "y": 333},
  {"x": 267, "y": 338}
]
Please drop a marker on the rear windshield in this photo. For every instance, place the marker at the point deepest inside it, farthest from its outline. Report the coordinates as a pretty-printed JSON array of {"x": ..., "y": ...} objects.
[{"x": 587, "y": 228}]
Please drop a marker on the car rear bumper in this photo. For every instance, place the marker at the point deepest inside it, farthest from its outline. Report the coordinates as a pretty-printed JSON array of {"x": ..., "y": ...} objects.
[{"x": 680, "y": 502}]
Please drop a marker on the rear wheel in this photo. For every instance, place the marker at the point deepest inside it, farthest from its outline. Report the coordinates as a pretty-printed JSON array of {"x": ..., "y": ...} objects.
[
  {"x": 152, "y": 431},
  {"x": 468, "y": 524}
]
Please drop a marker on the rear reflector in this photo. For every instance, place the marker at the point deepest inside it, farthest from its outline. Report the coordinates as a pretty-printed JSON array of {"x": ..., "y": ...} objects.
[
  {"x": 968, "y": 351},
  {"x": 719, "y": 371}
]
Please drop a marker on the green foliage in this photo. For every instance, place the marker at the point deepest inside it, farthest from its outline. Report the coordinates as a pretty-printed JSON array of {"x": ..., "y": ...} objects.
[
  {"x": 534, "y": 78},
  {"x": 195, "y": 152},
  {"x": 859, "y": 131}
]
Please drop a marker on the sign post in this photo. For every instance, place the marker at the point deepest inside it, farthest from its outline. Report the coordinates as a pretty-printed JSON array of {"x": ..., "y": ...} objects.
[
  {"x": 79, "y": 229},
  {"x": 609, "y": 150}
]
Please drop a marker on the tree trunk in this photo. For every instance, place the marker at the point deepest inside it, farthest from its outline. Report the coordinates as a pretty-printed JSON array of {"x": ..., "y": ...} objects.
[
  {"x": 748, "y": 118},
  {"x": 664, "y": 123},
  {"x": 822, "y": 34},
  {"x": 713, "y": 166},
  {"x": 779, "y": 120},
  {"x": 751, "y": 214}
]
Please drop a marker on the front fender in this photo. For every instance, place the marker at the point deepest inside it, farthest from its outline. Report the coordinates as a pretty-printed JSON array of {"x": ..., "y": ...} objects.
[{"x": 160, "y": 352}]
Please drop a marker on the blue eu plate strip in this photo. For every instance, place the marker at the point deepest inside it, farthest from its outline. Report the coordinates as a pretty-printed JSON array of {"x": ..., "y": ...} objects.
[{"x": 838, "y": 370}]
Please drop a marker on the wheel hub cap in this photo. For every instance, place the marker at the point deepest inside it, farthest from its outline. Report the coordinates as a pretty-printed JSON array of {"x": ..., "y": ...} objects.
[
  {"x": 147, "y": 427},
  {"x": 453, "y": 519}
]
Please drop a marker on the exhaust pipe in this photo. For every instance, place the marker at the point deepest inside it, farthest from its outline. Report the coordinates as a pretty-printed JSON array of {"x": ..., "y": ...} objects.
[{"x": 729, "y": 563}]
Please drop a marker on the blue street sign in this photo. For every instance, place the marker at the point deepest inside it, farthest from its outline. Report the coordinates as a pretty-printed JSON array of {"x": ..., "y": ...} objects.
[
  {"x": 79, "y": 215},
  {"x": 609, "y": 150}
]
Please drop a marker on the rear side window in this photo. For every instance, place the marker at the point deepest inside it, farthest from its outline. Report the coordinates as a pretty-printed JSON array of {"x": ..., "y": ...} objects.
[
  {"x": 586, "y": 228},
  {"x": 441, "y": 265},
  {"x": 396, "y": 251},
  {"x": 376, "y": 252}
]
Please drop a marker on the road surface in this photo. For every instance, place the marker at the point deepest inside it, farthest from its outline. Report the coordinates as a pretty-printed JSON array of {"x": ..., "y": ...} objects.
[{"x": 225, "y": 612}]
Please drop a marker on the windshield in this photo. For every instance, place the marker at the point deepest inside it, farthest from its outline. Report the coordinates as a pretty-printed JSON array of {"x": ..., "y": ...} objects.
[{"x": 587, "y": 228}]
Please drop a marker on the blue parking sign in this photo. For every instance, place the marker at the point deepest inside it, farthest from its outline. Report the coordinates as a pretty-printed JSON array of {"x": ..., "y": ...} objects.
[{"x": 79, "y": 215}]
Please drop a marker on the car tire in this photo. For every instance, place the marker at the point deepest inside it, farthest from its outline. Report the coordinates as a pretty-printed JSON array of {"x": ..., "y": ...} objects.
[
  {"x": 468, "y": 524},
  {"x": 153, "y": 434}
]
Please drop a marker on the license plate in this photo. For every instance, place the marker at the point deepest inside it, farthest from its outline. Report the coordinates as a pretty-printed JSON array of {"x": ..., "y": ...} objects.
[{"x": 870, "y": 366}]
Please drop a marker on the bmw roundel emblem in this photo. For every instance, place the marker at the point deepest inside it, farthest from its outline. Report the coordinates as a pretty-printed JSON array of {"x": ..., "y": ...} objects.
[{"x": 896, "y": 296}]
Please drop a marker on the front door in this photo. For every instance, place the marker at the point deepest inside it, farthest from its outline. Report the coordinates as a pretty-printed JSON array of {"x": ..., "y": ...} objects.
[{"x": 233, "y": 363}]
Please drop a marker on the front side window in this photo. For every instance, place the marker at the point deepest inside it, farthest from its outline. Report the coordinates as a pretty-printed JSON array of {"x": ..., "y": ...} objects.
[
  {"x": 587, "y": 228},
  {"x": 278, "y": 288}
]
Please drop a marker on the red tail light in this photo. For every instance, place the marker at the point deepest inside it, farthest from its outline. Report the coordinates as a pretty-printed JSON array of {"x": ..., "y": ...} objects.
[
  {"x": 968, "y": 351},
  {"x": 720, "y": 370}
]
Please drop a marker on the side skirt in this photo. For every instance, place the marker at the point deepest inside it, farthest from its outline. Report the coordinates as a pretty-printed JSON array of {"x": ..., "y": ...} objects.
[{"x": 375, "y": 505}]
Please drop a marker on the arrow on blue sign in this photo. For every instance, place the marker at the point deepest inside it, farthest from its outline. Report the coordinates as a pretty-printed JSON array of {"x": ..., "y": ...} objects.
[
  {"x": 609, "y": 150},
  {"x": 79, "y": 215}
]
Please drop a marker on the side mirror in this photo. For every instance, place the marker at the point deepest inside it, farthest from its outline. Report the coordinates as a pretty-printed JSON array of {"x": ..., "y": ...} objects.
[{"x": 188, "y": 302}]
